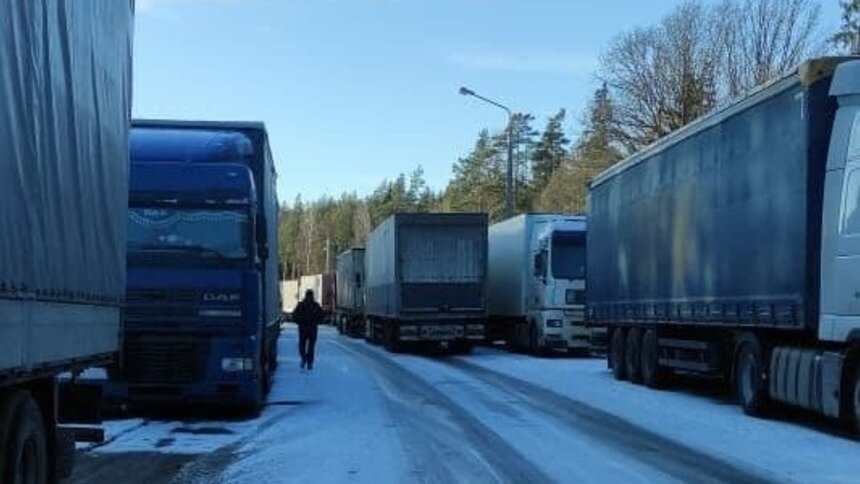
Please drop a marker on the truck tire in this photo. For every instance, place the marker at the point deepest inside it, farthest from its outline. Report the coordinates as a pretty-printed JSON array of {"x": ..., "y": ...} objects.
[
  {"x": 633, "y": 355},
  {"x": 254, "y": 406},
  {"x": 652, "y": 374},
  {"x": 390, "y": 340},
  {"x": 852, "y": 407},
  {"x": 616, "y": 353},
  {"x": 534, "y": 345},
  {"x": 25, "y": 441},
  {"x": 750, "y": 379}
]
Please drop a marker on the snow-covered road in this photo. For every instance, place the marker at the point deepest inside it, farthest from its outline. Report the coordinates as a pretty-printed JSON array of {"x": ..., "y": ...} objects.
[{"x": 364, "y": 415}]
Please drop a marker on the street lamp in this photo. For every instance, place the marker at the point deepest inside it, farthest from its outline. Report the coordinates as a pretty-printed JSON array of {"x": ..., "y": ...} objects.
[{"x": 509, "y": 179}]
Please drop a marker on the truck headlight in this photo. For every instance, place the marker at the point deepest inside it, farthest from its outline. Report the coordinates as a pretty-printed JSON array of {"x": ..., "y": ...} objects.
[
  {"x": 237, "y": 364},
  {"x": 554, "y": 323}
]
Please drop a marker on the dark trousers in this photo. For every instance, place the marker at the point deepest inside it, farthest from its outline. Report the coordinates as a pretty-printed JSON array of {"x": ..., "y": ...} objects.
[{"x": 307, "y": 343}]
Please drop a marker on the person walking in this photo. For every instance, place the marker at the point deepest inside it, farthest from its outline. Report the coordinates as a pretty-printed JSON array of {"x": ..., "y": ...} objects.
[{"x": 308, "y": 315}]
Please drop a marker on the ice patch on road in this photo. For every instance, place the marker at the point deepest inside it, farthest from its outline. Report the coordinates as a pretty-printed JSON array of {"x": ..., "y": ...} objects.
[{"x": 175, "y": 437}]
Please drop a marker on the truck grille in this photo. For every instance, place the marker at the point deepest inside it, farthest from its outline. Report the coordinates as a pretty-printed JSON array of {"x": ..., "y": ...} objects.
[
  {"x": 165, "y": 359},
  {"x": 158, "y": 305}
]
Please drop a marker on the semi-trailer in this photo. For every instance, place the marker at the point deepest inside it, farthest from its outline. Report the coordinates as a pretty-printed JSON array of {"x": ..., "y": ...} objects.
[
  {"x": 349, "y": 292},
  {"x": 732, "y": 247},
  {"x": 65, "y": 99},
  {"x": 536, "y": 283},
  {"x": 426, "y": 281}
]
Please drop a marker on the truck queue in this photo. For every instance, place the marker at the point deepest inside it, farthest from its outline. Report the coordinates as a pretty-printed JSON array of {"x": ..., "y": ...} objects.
[{"x": 728, "y": 249}]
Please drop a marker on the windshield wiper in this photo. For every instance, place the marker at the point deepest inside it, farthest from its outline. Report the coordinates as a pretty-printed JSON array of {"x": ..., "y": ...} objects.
[{"x": 197, "y": 249}]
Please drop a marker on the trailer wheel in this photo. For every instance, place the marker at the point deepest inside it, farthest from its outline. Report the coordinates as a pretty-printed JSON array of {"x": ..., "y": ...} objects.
[
  {"x": 750, "y": 377},
  {"x": 633, "y": 355},
  {"x": 25, "y": 441},
  {"x": 616, "y": 354},
  {"x": 652, "y": 375}
]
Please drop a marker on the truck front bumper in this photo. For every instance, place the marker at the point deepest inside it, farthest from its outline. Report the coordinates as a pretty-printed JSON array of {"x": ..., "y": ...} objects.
[
  {"x": 225, "y": 392},
  {"x": 570, "y": 335}
]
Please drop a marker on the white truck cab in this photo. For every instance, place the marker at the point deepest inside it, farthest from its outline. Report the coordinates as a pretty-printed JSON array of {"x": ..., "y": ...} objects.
[
  {"x": 536, "y": 289},
  {"x": 840, "y": 236},
  {"x": 558, "y": 286}
]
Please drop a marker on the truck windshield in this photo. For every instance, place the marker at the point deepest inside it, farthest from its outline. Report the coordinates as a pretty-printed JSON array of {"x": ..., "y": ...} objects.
[
  {"x": 193, "y": 235},
  {"x": 568, "y": 255}
]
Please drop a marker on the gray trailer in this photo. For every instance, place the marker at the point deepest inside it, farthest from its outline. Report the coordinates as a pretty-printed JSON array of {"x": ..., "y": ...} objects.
[
  {"x": 63, "y": 197},
  {"x": 732, "y": 247},
  {"x": 426, "y": 280},
  {"x": 349, "y": 292}
]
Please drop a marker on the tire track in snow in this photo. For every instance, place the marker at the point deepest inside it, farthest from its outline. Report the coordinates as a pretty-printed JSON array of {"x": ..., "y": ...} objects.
[
  {"x": 435, "y": 445},
  {"x": 657, "y": 451}
]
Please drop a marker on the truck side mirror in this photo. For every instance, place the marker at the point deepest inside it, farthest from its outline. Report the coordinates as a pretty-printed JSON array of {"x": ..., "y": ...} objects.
[
  {"x": 262, "y": 232},
  {"x": 262, "y": 235},
  {"x": 538, "y": 265}
]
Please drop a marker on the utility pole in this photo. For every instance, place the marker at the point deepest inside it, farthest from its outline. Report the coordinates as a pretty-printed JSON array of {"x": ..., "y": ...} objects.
[{"x": 509, "y": 178}]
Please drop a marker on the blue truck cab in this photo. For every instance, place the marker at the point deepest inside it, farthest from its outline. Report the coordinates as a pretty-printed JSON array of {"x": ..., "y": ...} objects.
[{"x": 202, "y": 303}]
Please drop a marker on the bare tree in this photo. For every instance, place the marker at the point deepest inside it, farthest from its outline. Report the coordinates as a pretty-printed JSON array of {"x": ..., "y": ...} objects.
[
  {"x": 308, "y": 236},
  {"x": 361, "y": 224},
  {"x": 848, "y": 37},
  {"x": 665, "y": 76},
  {"x": 764, "y": 39}
]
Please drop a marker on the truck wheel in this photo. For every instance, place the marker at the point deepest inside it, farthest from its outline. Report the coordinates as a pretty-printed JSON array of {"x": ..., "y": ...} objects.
[
  {"x": 852, "y": 407},
  {"x": 616, "y": 354},
  {"x": 750, "y": 378},
  {"x": 390, "y": 340},
  {"x": 633, "y": 355},
  {"x": 254, "y": 406},
  {"x": 25, "y": 441},
  {"x": 534, "y": 347},
  {"x": 652, "y": 375},
  {"x": 368, "y": 331}
]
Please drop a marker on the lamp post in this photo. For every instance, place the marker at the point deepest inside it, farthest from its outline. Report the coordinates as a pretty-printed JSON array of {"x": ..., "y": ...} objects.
[{"x": 509, "y": 178}]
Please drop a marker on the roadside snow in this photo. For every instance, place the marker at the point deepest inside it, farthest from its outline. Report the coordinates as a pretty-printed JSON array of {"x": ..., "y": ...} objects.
[{"x": 790, "y": 451}]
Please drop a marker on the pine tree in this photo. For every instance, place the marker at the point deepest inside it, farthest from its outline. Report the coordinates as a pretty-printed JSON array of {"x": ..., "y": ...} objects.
[
  {"x": 848, "y": 37},
  {"x": 598, "y": 145},
  {"x": 479, "y": 179},
  {"x": 550, "y": 151},
  {"x": 596, "y": 150}
]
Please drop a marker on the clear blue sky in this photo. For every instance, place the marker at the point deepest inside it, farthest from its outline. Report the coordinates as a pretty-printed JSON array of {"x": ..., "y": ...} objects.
[{"x": 356, "y": 91}]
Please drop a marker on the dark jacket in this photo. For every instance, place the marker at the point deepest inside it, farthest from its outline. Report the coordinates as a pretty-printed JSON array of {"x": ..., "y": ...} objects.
[{"x": 308, "y": 313}]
